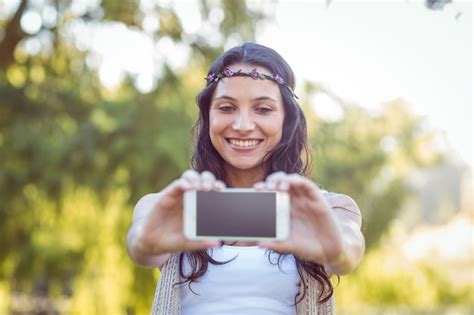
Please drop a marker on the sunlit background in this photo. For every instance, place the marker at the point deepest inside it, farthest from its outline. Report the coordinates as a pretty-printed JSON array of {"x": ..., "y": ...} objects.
[{"x": 97, "y": 103}]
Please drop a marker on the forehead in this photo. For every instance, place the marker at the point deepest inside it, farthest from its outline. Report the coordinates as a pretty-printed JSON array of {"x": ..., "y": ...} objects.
[{"x": 247, "y": 87}]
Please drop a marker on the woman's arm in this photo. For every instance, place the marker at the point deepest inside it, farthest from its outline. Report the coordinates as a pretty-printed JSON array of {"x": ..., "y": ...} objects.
[
  {"x": 157, "y": 227},
  {"x": 135, "y": 237},
  {"x": 348, "y": 217},
  {"x": 325, "y": 230}
]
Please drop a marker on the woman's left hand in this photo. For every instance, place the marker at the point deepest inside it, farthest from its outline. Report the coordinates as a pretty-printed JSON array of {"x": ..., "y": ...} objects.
[{"x": 317, "y": 232}]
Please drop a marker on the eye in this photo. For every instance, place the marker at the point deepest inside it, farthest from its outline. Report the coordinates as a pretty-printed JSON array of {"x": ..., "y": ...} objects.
[
  {"x": 264, "y": 109},
  {"x": 225, "y": 108}
]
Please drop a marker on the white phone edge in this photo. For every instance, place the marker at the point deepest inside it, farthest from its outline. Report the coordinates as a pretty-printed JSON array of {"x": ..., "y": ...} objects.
[{"x": 282, "y": 225}]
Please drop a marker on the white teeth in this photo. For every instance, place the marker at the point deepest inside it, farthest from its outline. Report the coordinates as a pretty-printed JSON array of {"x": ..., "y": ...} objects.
[{"x": 244, "y": 143}]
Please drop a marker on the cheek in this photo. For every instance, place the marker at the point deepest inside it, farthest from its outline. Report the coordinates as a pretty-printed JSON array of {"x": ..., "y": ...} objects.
[
  {"x": 216, "y": 127},
  {"x": 278, "y": 136},
  {"x": 213, "y": 123},
  {"x": 274, "y": 130}
]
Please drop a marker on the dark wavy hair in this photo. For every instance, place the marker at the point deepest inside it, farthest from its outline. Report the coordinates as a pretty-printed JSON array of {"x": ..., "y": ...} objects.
[{"x": 291, "y": 155}]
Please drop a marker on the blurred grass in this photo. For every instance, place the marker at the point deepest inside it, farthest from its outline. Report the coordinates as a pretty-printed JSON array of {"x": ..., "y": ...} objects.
[
  {"x": 405, "y": 311},
  {"x": 387, "y": 282},
  {"x": 75, "y": 156}
]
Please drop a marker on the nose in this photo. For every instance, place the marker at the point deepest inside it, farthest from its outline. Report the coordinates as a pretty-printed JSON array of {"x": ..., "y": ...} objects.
[{"x": 243, "y": 122}]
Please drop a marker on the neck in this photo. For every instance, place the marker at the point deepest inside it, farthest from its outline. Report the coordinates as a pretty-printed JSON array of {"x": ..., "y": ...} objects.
[{"x": 239, "y": 178}]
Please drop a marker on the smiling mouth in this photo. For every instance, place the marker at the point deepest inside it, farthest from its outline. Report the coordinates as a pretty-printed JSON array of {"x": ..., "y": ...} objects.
[{"x": 243, "y": 143}]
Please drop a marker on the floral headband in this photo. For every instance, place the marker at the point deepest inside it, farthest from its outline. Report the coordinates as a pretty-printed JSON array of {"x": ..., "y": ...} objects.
[{"x": 254, "y": 74}]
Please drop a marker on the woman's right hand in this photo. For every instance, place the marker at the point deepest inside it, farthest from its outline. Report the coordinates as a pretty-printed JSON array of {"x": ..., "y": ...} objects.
[{"x": 159, "y": 230}]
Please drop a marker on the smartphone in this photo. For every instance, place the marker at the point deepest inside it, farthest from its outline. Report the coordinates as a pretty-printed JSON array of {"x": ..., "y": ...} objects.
[{"x": 236, "y": 214}]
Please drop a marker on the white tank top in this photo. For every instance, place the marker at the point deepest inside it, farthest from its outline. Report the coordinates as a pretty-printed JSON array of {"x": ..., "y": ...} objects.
[{"x": 248, "y": 285}]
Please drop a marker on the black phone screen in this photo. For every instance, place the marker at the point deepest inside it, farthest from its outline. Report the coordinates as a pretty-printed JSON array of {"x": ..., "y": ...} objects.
[{"x": 236, "y": 214}]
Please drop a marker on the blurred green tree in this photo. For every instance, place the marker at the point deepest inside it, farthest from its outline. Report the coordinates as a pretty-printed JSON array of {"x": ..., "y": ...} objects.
[
  {"x": 62, "y": 133},
  {"x": 74, "y": 155},
  {"x": 369, "y": 156}
]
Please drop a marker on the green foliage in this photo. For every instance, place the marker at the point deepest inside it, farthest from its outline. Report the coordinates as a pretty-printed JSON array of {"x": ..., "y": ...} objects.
[
  {"x": 75, "y": 157},
  {"x": 125, "y": 12},
  {"x": 369, "y": 157},
  {"x": 389, "y": 281}
]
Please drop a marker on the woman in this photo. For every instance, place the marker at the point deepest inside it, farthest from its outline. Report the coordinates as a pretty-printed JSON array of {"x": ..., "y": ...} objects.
[{"x": 251, "y": 133}]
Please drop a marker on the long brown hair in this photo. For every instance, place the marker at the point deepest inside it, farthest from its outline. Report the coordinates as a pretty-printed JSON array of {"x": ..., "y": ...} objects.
[{"x": 291, "y": 155}]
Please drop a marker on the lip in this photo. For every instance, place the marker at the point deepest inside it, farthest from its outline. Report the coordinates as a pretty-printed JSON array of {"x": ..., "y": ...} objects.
[
  {"x": 241, "y": 148},
  {"x": 242, "y": 139}
]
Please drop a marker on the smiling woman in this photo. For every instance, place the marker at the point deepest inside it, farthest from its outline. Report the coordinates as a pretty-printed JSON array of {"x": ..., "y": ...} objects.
[
  {"x": 245, "y": 122},
  {"x": 251, "y": 133}
]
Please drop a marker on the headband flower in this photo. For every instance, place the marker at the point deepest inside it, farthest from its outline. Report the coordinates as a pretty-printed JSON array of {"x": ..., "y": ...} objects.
[{"x": 254, "y": 74}]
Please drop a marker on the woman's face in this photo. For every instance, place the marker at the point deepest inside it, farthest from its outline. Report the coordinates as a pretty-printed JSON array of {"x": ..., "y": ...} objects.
[{"x": 245, "y": 118}]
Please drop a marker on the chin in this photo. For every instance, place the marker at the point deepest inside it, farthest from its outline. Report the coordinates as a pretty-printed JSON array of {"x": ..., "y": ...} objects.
[{"x": 244, "y": 166}]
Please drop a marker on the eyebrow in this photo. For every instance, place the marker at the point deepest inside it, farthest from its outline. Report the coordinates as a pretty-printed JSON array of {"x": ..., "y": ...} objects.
[{"x": 260, "y": 98}]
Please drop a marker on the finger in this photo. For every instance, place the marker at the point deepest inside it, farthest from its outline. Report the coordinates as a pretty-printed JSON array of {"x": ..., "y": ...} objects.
[
  {"x": 296, "y": 183},
  {"x": 272, "y": 181},
  {"x": 206, "y": 180},
  {"x": 259, "y": 186},
  {"x": 192, "y": 177},
  {"x": 218, "y": 185},
  {"x": 278, "y": 182},
  {"x": 276, "y": 174},
  {"x": 178, "y": 187},
  {"x": 283, "y": 185},
  {"x": 300, "y": 185}
]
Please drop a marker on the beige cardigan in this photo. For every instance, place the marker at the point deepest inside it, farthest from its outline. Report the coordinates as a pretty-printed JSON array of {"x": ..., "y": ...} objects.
[{"x": 166, "y": 300}]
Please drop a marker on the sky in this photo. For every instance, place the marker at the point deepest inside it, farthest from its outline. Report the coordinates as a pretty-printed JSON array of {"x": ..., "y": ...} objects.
[
  {"x": 366, "y": 52},
  {"x": 372, "y": 52}
]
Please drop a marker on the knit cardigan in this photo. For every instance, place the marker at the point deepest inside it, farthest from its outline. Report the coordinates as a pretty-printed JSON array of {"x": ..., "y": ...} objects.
[{"x": 166, "y": 300}]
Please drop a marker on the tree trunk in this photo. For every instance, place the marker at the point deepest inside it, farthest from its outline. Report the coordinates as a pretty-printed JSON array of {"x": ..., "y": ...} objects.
[{"x": 13, "y": 35}]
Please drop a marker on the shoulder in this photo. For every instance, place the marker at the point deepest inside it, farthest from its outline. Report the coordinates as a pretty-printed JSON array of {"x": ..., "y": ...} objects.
[
  {"x": 147, "y": 199},
  {"x": 341, "y": 201},
  {"x": 145, "y": 204}
]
